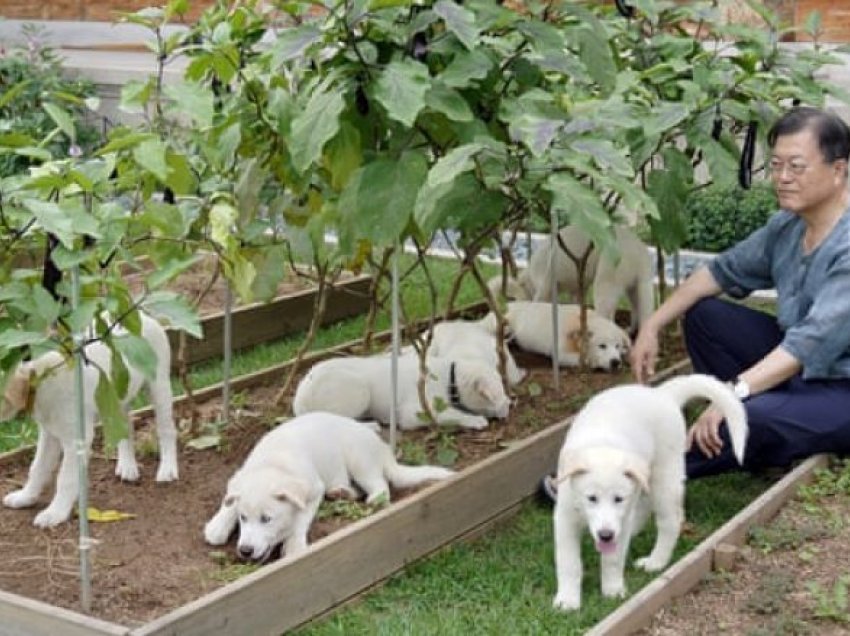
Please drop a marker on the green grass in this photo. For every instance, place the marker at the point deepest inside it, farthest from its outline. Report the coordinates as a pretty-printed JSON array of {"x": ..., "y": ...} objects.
[{"x": 504, "y": 582}]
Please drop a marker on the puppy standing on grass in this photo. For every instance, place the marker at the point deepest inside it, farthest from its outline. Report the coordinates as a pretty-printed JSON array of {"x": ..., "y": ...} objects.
[
  {"x": 53, "y": 408},
  {"x": 274, "y": 496},
  {"x": 624, "y": 457}
]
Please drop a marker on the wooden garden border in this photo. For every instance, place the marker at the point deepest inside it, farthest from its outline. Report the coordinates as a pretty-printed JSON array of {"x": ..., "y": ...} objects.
[
  {"x": 256, "y": 323},
  {"x": 336, "y": 568}
]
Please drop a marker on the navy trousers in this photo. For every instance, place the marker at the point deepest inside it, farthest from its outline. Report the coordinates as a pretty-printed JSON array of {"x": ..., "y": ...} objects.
[{"x": 789, "y": 422}]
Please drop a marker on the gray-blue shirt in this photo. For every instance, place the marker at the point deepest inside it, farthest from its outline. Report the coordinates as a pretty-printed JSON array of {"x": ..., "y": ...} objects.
[{"x": 813, "y": 290}]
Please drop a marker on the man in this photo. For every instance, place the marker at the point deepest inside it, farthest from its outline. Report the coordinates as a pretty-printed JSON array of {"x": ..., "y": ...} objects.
[{"x": 791, "y": 370}]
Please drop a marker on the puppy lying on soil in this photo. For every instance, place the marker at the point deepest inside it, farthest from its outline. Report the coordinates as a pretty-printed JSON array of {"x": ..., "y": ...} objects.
[
  {"x": 47, "y": 385},
  {"x": 531, "y": 329},
  {"x": 274, "y": 496},
  {"x": 470, "y": 340},
  {"x": 624, "y": 456},
  {"x": 359, "y": 387}
]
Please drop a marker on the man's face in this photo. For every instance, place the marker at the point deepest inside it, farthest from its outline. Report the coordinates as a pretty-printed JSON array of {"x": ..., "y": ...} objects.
[{"x": 803, "y": 180}]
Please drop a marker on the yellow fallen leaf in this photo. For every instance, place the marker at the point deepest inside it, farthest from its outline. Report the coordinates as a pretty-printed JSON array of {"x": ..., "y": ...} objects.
[{"x": 106, "y": 516}]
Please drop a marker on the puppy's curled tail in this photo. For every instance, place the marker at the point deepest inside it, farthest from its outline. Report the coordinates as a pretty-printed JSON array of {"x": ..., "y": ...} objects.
[
  {"x": 688, "y": 387},
  {"x": 403, "y": 476}
]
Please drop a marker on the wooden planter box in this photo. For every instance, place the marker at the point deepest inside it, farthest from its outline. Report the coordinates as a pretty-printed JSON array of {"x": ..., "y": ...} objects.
[
  {"x": 290, "y": 592},
  {"x": 262, "y": 322}
]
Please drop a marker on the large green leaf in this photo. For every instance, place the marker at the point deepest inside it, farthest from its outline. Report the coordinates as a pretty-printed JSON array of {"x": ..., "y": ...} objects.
[
  {"x": 113, "y": 420},
  {"x": 449, "y": 102},
  {"x": 466, "y": 68},
  {"x": 270, "y": 266},
  {"x": 138, "y": 353},
  {"x": 606, "y": 155},
  {"x": 52, "y": 218},
  {"x": 174, "y": 311},
  {"x": 192, "y": 100},
  {"x": 461, "y": 204},
  {"x": 536, "y": 132},
  {"x": 664, "y": 117},
  {"x": 670, "y": 191},
  {"x": 581, "y": 206},
  {"x": 459, "y": 21},
  {"x": 379, "y": 199},
  {"x": 316, "y": 124},
  {"x": 151, "y": 155},
  {"x": 343, "y": 155},
  {"x": 293, "y": 42},
  {"x": 62, "y": 119},
  {"x": 401, "y": 89}
]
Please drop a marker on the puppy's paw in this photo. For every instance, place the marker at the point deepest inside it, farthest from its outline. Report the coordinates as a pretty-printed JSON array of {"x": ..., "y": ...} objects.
[
  {"x": 613, "y": 589},
  {"x": 127, "y": 471},
  {"x": 50, "y": 517},
  {"x": 216, "y": 533},
  {"x": 651, "y": 564},
  {"x": 167, "y": 472},
  {"x": 476, "y": 423},
  {"x": 341, "y": 493},
  {"x": 19, "y": 499},
  {"x": 566, "y": 602}
]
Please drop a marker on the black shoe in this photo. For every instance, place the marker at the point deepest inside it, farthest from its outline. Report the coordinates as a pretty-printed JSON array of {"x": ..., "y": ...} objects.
[{"x": 548, "y": 488}]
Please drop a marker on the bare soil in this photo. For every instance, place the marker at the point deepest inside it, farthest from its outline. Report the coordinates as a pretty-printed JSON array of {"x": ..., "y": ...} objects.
[
  {"x": 791, "y": 578},
  {"x": 157, "y": 561}
]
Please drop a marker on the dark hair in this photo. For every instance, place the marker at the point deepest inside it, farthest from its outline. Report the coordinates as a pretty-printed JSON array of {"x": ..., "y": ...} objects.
[{"x": 832, "y": 132}]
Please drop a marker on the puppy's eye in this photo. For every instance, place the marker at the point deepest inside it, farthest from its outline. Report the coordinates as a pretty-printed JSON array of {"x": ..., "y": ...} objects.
[
  {"x": 265, "y": 518},
  {"x": 603, "y": 346},
  {"x": 618, "y": 499},
  {"x": 243, "y": 518},
  {"x": 592, "y": 498}
]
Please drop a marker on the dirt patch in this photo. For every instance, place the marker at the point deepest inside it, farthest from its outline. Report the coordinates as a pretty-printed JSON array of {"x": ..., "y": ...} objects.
[
  {"x": 157, "y": 561},
  {"x": 790, "y": 578},
  {"x": 203, "y": 286}
]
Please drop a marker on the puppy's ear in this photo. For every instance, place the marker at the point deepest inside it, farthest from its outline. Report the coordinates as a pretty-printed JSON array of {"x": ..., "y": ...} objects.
[
  {"x": 570, "y": 465},
  {"x": 639, "y": 473},
  {"x": 486, "y": 389},
  {"x": 572, "y": 341},
  {"x": 295, "y": 491},
  {"x": 18, "y": 390}
]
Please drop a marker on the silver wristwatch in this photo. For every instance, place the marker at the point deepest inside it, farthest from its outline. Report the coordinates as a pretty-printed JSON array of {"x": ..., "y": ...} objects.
[{"x": 741, "y": 389}]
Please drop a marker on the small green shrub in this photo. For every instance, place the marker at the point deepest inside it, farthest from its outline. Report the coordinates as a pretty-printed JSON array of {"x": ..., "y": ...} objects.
[
  {"x": 30, "y": 76},
  {"x": 719, "y": 217}
]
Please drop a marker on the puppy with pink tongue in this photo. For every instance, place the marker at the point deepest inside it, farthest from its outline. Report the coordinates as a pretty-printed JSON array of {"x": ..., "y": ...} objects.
[{"x": 624, "y": 457}]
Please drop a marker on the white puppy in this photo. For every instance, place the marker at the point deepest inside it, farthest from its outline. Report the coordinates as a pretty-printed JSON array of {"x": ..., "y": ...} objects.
[
  {"x": 278, "y": 489},
  {"x": 610, "y": 279},
  {"x": 52, "y": 380},
  {"x": 531, "y": 328},
  {"x": 464, "y": 392},
  {"x": 470, "y": 340},
  {"x": 624, "y": 455}
]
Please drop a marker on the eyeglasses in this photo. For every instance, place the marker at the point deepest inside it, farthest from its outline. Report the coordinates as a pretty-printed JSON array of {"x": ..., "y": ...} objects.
[{"x": 796, "y": 167}]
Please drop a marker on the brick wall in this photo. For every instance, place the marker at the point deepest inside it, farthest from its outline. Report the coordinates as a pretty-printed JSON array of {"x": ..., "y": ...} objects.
[
  {"x": 90, "y": 10},
  {"x": 835, "y": 15},
  {"x": 835, "y": 18}
]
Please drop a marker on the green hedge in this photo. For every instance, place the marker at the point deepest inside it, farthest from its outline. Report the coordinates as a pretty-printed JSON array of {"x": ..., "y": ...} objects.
[
  {"x": 719, "y": 217},
  {"x": 35, "y": 74}
]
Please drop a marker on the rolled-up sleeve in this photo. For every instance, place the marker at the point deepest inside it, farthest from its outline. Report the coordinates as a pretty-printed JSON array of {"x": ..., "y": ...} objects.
[
  {"x": 746, "y": 267},
  {"x": 822, "y": 336}
]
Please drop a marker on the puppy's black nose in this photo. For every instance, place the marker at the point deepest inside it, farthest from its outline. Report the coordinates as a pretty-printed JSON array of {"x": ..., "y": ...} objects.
[
  {"x": 605, "y": 535},
  {"x": 245, "y": 552},
  {"x": 616, "y": 364}
]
